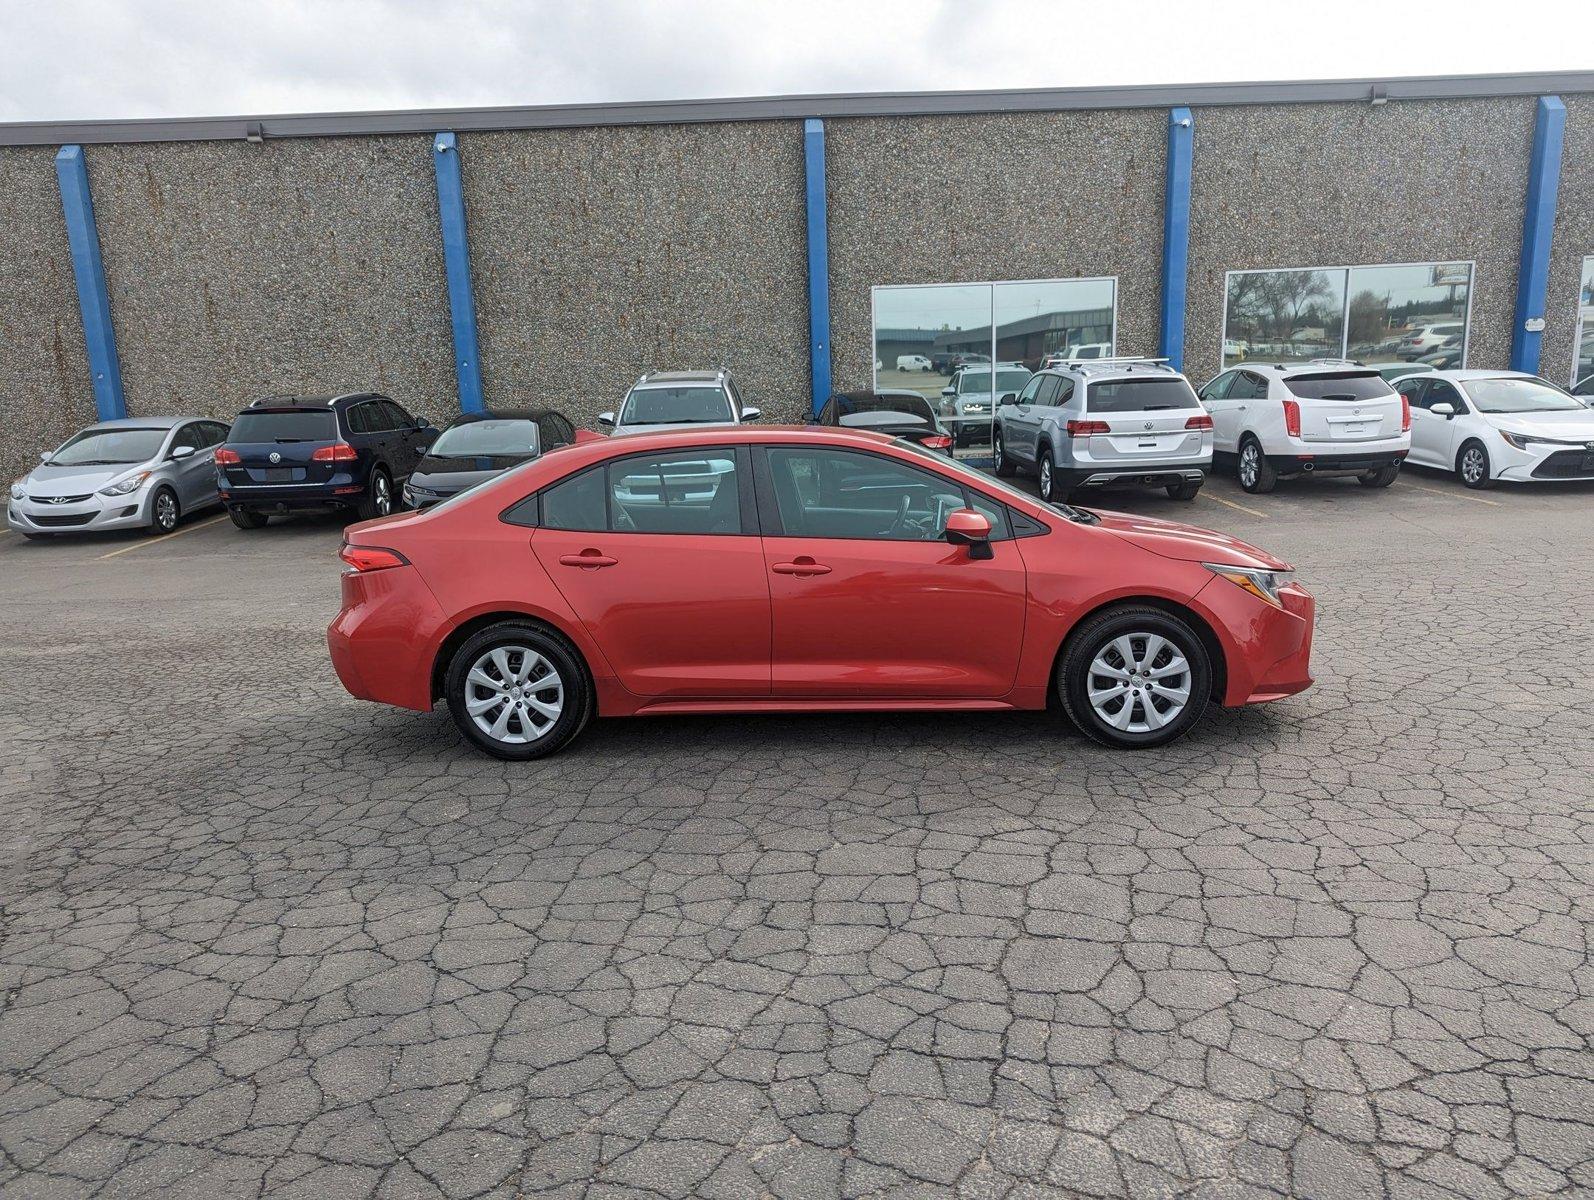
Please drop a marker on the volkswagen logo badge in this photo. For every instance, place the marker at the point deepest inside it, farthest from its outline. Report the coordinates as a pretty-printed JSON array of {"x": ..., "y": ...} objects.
[
  {"x": 1148, "y": 424},
  {"x": 1588, "y": 445},
  {"x": 275, "y": 457}
]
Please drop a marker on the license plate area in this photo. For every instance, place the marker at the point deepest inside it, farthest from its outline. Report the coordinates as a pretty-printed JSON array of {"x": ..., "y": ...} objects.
[
  {"x": 1588, "y": 464},
  {"x": 277, "y": 475}
]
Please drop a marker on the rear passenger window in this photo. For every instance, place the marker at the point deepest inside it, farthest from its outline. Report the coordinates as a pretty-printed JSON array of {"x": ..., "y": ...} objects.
[
  {"x": 576, "y": 504},
  {"x": 1247, "y": 386},
  {"x": 684, "y": 492},
  {"x": 359, "y": 418}
]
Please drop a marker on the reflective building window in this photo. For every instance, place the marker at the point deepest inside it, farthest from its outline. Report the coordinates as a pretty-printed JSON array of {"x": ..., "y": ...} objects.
[
  {"x": 962, "y": 346},
  {"x": 1379, "y": 315},
  {"x": 1583, "y": 360}
]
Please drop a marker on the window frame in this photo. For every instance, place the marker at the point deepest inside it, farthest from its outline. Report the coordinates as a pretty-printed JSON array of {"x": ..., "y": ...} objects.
[
  {"x": 747, "y": 505},
  {"x": 1344, "y": 322}
]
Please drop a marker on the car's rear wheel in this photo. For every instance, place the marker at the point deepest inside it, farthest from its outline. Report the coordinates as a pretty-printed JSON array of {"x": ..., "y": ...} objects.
[
  {"x": 1255, "y": 472},
  {"x": 1004, "y": 467},
  {"x": 1472, "y": 464},
  {"x": 1381, "y": 478},
  {"x": 1046, "y": 477},
  {"x": 164, "y": 513},
  {"x": 247, "y": 518},
  {"x": 1134, "y": 677},
  {"x": 518, "y": 691},
  {"x": 1184, "y": 490},
  {"x": 378, "y": 498}
]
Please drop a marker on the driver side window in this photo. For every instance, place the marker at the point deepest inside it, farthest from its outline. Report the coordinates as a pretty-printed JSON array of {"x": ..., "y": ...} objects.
[{"x": 846, "y": 494}]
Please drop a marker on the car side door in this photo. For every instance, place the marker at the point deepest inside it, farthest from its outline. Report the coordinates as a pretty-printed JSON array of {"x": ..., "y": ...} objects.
[
  {"x": 1441, "y": 434},
  {"x": 1215, "y": 399},
  {"x": 868, "y": 599},
  {"x": 1424, "y": 434},
  {"x": 1245, "y": 413},
  {"x": 1018, "y": 422},
  {"x": 193, "y": 474},
  {"x": 366, "y": 434},
  {"x": 410, "y": 436},
  {"x": 660, "y": 557}
]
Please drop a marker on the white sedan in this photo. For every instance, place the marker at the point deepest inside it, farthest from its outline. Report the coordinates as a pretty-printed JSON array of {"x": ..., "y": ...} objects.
[{"x": 1492, "y": 425}]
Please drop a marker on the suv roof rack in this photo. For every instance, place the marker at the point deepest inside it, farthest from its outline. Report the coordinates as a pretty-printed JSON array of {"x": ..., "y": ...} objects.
[{"x": 1321, "y": 362}]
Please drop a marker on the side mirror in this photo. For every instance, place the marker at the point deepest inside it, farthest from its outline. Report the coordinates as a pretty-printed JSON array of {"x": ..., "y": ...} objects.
[
  {"x": 965, "y": 527},
  {"x": 949, "y": 391},
  {"x": 423, "y": 422},
  {"x": 182, "y": 452},
  {"x": 752, "y": 414},
  {"x": 1443, "y": 409},
  {"x": 1008, "y": 398},
  {"x": 606, "y": 419},
  {"x": 44, "y": 455}
]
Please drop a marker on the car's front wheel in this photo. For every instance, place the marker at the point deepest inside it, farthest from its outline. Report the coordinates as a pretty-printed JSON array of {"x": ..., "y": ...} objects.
[
  {"x": 1134, "y": 677},
  {"x": 164, "y": 513},
  {"x": 1004, "y": 467},
  {"x": 1472, "y": 464},
  {"x": 518, "y": 691}
]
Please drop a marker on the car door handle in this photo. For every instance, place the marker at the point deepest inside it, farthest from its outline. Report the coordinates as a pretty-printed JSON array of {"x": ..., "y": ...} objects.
[
  {"x": 803, "y": 566},
  {"x": 590, "y": 559}
]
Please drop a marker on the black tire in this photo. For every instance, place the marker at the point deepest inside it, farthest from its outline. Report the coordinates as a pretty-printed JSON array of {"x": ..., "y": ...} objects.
[
  {"x": 164, "y": 512},
  {"x": 1004, "y": 466},
  {"x": 1046, "y": 476},
  {"x": 378, "y": 498},
  {"x": 1381, "y": 478},
  {"x": 1097, "y": 637},
  {"x": 576, "y": 698},
  {"x": 247, "y": 518},
  {"x": 1184, "y": 490},
  {"x": 1252, "y": 469},
  {"x": 1473, "y": 466}
]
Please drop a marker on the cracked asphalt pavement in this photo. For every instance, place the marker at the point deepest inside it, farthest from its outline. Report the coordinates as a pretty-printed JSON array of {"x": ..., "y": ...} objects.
[{"x": 260, "y": 938}]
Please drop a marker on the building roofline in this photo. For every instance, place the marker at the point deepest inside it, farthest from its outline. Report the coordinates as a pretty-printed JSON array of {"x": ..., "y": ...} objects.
[{"x": 777, "y": 108}]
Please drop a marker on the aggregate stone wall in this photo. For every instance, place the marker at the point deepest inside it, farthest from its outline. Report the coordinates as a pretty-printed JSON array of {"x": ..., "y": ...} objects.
[
  {"x": 239, "y": 270},
  {"x": 1573, "y": 239},
  {"x": 599, "y": 254},
  {"x": 45, "y": 394},
  {"x": 1309, "y": 185},
  {"x": 993, "y": 197}
]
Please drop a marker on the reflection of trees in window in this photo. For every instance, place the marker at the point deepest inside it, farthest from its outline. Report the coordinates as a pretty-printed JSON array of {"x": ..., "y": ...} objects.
[
  {"x": 1369, "y": 318},
  {"x": 1274, "y": 304}
]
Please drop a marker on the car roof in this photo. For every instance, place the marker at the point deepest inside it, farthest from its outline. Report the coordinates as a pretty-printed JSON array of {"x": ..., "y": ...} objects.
[
  {"x": 1312, "y": 366},
  {"x": 1463, "y": 374},
  {"x": 1106, "y": 369},
  {"x": 145, "y": 422}
]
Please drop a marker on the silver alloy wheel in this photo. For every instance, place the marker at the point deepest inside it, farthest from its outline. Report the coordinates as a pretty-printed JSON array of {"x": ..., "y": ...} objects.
[
  {"x": 996, "y": 445},
  {"x": 1472, "y": 464},
  {"x": 1046, "y": 477},
  {"x": 384, "y": 494},
  {"x": 166, "y": 511},
  {"x": 1138, "y": 682},
  {"x": 1250, "y": 463},
  {"x": 514, "y": 694}
]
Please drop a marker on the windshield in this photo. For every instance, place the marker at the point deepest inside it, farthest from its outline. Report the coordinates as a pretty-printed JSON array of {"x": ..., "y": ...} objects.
[
  {"x": 290, "y": 426},
  {"x": 989, "y": 484},
  {"x": 1139, "y": 395},
  {"x": 109, "y": 447},
  {"x": 1365, "y": 385},
  {"x": 917, "y": 406},
  {"x": 676, "y": 406},
  {"x": 1498, "y": 396},
  {"x": 980, "y": 381},
  {"x": 492, "y": 437}
]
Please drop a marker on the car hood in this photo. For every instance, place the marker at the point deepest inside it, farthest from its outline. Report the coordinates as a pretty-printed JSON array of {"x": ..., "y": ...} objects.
[
  {"x": 1187, "y": 543},
  {"x": 1572, "y": 425},
  {"x": 48, "y": 480}
]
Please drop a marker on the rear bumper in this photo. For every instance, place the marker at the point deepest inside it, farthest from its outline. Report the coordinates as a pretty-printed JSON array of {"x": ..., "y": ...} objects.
[
  {"x": 1125, "y": 475},
  {"x": 379, "y": 640},
  {"x": 293, "y": 497},
  {"x": 1336, "y": 461}
]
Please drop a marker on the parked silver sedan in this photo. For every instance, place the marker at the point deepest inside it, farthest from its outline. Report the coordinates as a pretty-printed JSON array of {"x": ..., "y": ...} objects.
[{"x": 147, "y": 472}]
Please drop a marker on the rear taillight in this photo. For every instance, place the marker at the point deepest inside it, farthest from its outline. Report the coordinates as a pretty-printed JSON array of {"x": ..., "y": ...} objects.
[
  {"x": 1292, "y": 418},
  {"x": 371, "y": 558},
  {"x": 1405, "y": 414},
  {"x": 1086, "y": 428},
  {"x": 225, "y": 457},
  {"x": 1201, "y": 422},
  {"x": 336, "y": 452},
  {"x": 939, "y": 442}
]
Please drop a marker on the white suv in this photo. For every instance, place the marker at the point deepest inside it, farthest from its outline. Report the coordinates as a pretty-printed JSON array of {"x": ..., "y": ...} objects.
[
  {"x": 679, "y": 400},
  {"x": 1327, "y": 416}
]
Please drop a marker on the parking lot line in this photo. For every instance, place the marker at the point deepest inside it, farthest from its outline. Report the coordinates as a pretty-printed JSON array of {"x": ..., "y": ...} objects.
[
  {"x": 1255, "y": 512},
  {"x": 165, "y": 537},
  {"x": 1452, "y": 495}
]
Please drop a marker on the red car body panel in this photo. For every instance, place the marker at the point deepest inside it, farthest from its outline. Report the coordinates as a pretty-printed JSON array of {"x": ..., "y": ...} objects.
[{"x": 697, "y": 623}]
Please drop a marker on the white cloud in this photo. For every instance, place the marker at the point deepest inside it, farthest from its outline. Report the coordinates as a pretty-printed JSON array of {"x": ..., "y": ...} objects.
[{"x": 100, "y": 58}]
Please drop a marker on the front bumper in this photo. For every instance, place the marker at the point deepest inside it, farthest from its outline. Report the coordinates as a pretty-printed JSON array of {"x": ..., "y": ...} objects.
[
  {"x": 1541, "y": 463},
  {"x": 93, "y": 514},
  {"x": 1267, "y": 649}
]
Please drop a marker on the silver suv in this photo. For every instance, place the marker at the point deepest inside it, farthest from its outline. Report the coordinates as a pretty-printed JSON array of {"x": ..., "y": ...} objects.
[
  {"x": 1120, "y": 421},
  {"x": 679, "y": 400}
]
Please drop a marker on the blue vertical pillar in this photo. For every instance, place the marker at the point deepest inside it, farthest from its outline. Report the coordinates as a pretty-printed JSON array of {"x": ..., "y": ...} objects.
[
  {"x": 1176, "y": 236},
  {"x": 818, "y": 262},
  {"x": 1538, "y": 222},
  {"x": 105, "y": 366},
  {"x": 456, "y": 264}
]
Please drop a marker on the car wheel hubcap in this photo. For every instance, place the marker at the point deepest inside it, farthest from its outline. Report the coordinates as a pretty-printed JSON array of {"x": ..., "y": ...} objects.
[
  {"x": 165, "y": 511},
  {"x": 1472, "y": 466},
  {"x": 384, "y": 500},
  {"x": 1248, "y": 465},
  {"x": 1046, "y": 478},
  {"x": 1138, "y": 682},
  {"x": 514, "y": 694}
]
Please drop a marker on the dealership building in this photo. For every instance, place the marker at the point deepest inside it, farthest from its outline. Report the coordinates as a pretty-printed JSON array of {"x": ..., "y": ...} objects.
[{"x": 550, "y": 255}]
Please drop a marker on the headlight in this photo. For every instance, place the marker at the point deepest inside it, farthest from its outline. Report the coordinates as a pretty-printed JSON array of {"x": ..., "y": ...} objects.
[
  {"x": 1523, "y": 440},
  {"x": 123, "y": 486},
  {"x": 17, "y": 490},
  {"x": 1264, "y": 585}
]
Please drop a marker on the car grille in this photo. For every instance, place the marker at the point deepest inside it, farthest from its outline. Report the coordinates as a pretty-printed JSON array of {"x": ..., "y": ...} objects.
[
  {"x": 61, "y": 520},
  {"x": 59, "y": 499},
  {"x": 1566, "y": 464}
]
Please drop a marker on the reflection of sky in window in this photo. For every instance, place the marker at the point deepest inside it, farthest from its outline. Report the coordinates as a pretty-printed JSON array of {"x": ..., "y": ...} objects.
[
  {"x": 1407, "y": 285},
  {"x": 969, "y": 306}
]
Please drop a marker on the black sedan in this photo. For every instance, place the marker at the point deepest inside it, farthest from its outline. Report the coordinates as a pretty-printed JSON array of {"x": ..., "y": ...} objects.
[
  {"x": 478, "y": 445},
  {"x": 890, "y": 411}
]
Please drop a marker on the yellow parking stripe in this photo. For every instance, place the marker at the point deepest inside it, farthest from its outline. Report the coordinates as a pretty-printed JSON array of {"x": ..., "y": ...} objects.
[
  {"x": 165, "y": 537},
  {"x": 1255, "y": 512},
  {"x": 1452, "y": 495}
]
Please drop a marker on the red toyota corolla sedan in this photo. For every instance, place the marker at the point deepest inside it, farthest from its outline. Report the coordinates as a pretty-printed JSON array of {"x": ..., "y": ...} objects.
[{"x": 762, "y": 569}]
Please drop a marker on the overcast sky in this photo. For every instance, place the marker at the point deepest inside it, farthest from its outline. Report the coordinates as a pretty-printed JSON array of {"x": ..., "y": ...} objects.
[{"x": 134, "y": 58}]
